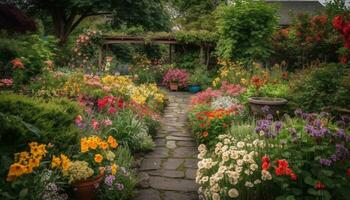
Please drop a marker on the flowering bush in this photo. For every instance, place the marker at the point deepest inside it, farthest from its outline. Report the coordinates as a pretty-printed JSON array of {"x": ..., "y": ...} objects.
[
  {"x": 207, "y": 124},
  {"x": 179, "y": 76},
  {"x": 342, "y": 25},
  {"x": 302, "y": 157}
]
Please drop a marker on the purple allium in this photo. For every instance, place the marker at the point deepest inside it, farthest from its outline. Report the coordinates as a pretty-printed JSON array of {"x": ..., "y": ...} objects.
[
  {"x": 317, "y": 130},
  {"x": 265, "y": 109},
  {"x": 326, "y": 162},
  {"x": 266, "y": 126},
  {"x": 340, "y": 133},
  {"x": 341, "y": 152},
  {"x": 109, "y": 180},
  {"x": 119, "y": 186}
]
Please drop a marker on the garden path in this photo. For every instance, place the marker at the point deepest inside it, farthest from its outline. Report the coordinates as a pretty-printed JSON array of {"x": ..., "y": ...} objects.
[{"x": 168, "y": 172}]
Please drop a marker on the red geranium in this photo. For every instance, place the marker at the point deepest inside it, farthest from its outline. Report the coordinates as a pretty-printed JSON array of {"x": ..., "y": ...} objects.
[{"x": 293, "y": 177}]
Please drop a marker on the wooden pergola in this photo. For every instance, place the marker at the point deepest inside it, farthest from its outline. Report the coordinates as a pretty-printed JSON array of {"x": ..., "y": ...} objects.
[
  {"x": 109, "y": 40},
  {"x": 169, "y": 40}
]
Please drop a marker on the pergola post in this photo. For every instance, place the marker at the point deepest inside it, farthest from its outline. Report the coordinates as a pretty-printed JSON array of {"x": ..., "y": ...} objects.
[
  {"x": 170, "y": 54},
  {"x": 100, "y": 56}
]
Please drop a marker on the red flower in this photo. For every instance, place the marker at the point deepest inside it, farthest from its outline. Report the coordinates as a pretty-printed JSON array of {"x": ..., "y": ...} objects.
[
  {"x": 112, "y": 110},
  {"x": 120, "y": 103},
  {"x": 293, "y": 177},
  {"x": 344, "y": 59},
  {"x": 202, "y": 125},
  {"x": 17, "y": 63},
  {"x": 279, "y": 171},
  {"x": 338, "y": 22},
  {"x": 78, "y": 119},
  {"x": 348, "y": 171},
  {"x": 319, "y": 185},
  {"x": 265, "y": 166},
  {"x": 205, "y": 134},
  {"x": 265, "y": 159},
  {"x": 282, "y": 163},
  {"x": 288, "y": 171}
]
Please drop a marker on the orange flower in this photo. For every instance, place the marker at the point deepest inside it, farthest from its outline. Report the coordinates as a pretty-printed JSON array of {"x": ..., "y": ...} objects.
[
  {"x": 98, "y": 158},
  {"x": 112, "y": 142},
  {"x": 17, "y": 63},
  {"x": 103, "y": 145},
  {"x": 205, "y": 134}
]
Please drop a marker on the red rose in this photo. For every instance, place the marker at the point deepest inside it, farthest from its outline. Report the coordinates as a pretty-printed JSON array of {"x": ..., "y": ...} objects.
[
  {"x": 279, "y": 171},
  {"x": 120, "y": 103},
  {"x": 288, "y": 171},
  {"x": 282, "y": 163}
]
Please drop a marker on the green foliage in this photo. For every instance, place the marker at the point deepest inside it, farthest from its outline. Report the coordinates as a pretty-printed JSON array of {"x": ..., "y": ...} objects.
[
  {"x": 320, "y": 87},
  {"x": 200, "y": 75},
  {"x": 200, "y": 37},
  {"x": 33, "y": 50},
  {"x": 131, "y": 131},
  {"x": 152, "y": 125},
  {"x": 25, "y": 119},
  {"x": 244, "y": 29}
]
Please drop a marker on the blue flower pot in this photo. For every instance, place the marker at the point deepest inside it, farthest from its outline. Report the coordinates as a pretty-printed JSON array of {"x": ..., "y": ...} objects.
[{"x": 194, "y": 88}]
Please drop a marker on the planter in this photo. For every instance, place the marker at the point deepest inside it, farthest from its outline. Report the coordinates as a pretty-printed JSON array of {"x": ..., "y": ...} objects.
[
  {"x": 275, "y": 104},
  {"x": 86, "y": 190},
  {"x": 174, "y": 87},
  {"x": 194, "y": 88}
]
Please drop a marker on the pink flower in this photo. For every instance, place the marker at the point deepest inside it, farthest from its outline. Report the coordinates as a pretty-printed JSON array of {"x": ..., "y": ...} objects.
[
  {"x": 78, "y": 120},
  {"x": 107, "y": 122},
  {"x": 7, "y": 82},
  {"x": 95, "y": 125},
  {"x": 112, "y": 110},
  {"x": 180, "y": 76}
]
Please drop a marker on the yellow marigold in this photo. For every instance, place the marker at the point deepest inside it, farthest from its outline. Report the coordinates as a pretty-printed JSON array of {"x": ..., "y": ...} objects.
[
  {"x": 55, "y": 162},
  {"x": 93, "y": 144},
  {"x": 98, "y": 158},
  {"x": 65, "y": 162},
  {"x": 114, "y": 169}
]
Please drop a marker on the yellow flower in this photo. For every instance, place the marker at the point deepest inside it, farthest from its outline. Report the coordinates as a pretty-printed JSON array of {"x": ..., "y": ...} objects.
[
  {"x": 92, "y": 144},
  {"x": 98, "y": 158},
  {"x": 15, "y": 171},
  {"x": 84, "y": 145},
  {"x": 65, "y": 162},
  {"x": 103, "y": 145},
  {"x": 112, "y": 142},
  {"x": 56, "y": 162},
  {"x": 114, "y": 169}
]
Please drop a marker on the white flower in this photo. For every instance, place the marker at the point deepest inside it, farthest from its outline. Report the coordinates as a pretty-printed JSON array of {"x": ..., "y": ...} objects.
[
  {"x": 202, "y": 147},
  {"x": 234, "y": 154},
  {"x": 233, "y": 193},
  {"x": 240, "y": 162},
  {"x": 200, "y": 164},
  {"x": 240, "y": 144},
  {"x": 257, "y": 181},
  {"x": 248, "y": 172},
  {"x": 215, "y": 196},
  {"x": 225, "y": 156},
  {"x": 215, "y": 188},
  {"x": 249, "y": 184},
  {"x": 265, "y": 175},
  {"x": 204, "y": 179},
  {"x": 227, "y": 141},
  {"x": 254, "y": 167}
]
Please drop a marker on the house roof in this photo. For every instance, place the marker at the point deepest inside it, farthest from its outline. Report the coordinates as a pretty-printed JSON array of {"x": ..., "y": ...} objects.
[{"x": 287, "y": 8}]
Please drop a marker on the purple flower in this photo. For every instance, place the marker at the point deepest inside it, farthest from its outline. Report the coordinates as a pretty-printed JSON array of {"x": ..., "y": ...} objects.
[
  {"x": 325, "y": 162},
  {"x": 341, "y": 152},
  {"x": 266, "y": 127},
  {"x": 278, "y": 127},
  {"x": 265, "y": 109},
  {"x": 269, "y": 117},
  {"x": 119, "y": 186},
  {"x": 340, "y": 133},
  {"x": 109, "y": 180}
]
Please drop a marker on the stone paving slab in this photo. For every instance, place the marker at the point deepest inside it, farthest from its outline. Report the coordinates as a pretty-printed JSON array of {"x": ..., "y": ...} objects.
[{"x": 168, "y": 172}]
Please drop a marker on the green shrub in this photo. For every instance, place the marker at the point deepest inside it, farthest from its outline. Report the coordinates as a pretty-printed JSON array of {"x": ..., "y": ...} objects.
[
  {"x": 320, "y": 87},
  {"x": 244, "y": 29},
  {"x": 152, "y": 125},
  {"x": 33, "y": 50},
  {"x": 25, "y": 119}
]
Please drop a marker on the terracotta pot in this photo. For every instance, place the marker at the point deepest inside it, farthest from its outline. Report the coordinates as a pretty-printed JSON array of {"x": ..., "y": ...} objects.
[
  {"x": 174, "y": 86},
  {"x": 275, "y": 104},
  {"x": 86, "y": 190}
]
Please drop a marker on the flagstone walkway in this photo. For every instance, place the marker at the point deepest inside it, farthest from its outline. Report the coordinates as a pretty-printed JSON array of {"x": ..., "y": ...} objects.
[{"x": 168, "y": 172}]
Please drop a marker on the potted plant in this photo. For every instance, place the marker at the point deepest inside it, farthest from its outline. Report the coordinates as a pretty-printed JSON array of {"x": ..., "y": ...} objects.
[
  {"x": 198, "y": 79},
  {"x": 175, "y": 79},
  {"x": 87, "y": 170},
  {"x": 261, "y": 105}
]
